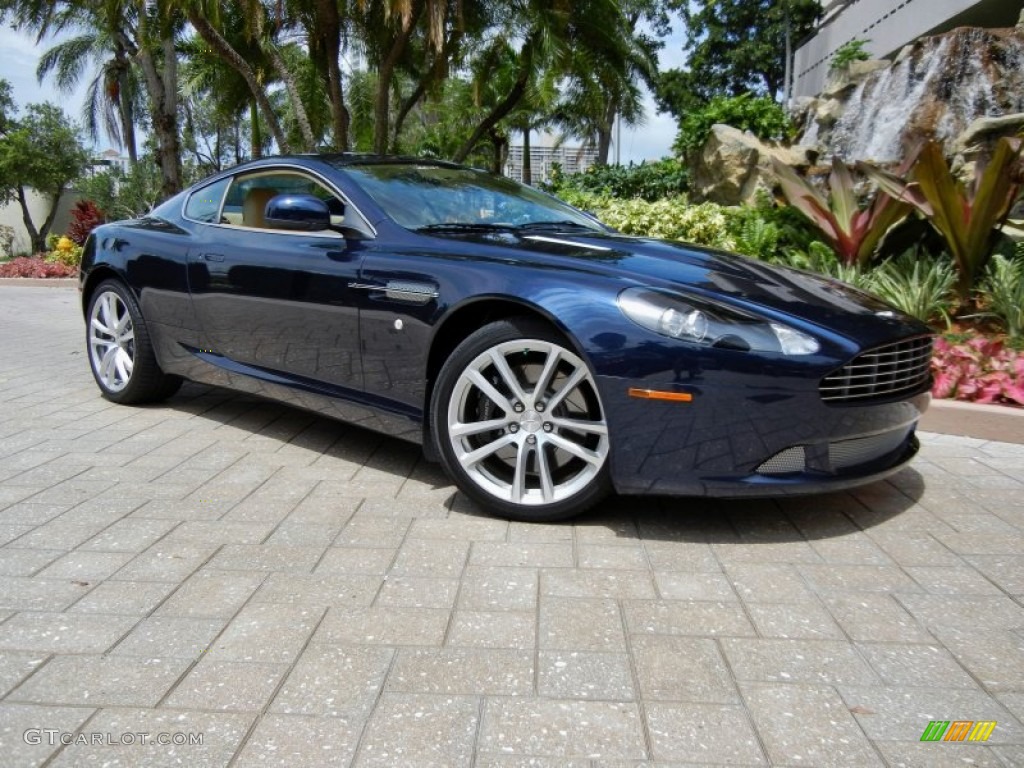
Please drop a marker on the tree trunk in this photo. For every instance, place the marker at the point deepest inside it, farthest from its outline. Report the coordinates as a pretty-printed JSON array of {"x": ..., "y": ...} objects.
[
  {"x": 222, "y": 48},
  {"x": 385, "y": 74},
  {"x": 499, "y": 144},
  {"x": 37, "y": 237},
  {"x": 162, "y": 88},
  {"x": 527, "y": 159},
  {"x": 604, "y": 134},
  {"x": 255, "y": 136},
  {"x": 507, "y": 104},
  {"x": 125, "y": 109},
  {"x": 329, "y": 31},
  {"x": 403, "y": 113},
  {"x": 294, "y": 97}
]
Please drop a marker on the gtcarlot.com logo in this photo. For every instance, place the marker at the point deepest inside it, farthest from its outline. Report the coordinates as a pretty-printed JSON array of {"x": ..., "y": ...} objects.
[{"x": 52, "y": 737}]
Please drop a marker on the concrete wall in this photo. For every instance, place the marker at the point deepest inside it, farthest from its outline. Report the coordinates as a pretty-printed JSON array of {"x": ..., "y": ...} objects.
[
  {"x": 889, "y": 25},
  {"x": 39, "y": 207}
]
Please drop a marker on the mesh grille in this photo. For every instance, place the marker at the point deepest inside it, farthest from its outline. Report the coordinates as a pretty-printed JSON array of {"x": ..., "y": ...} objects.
[
  {"x": 850, "y": 453},
  {"x": 783, "y": 462},
  {"x": 883, "y": 372}
]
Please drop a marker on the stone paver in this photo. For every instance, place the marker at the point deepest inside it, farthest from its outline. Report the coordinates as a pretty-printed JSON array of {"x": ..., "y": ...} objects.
[{"x": 290, "y": 590}]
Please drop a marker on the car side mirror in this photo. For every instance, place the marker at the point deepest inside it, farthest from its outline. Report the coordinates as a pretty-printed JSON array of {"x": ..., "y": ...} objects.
[{"x": 303, "y": 213}]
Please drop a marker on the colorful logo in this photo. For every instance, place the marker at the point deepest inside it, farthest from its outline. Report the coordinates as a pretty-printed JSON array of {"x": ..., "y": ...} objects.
[{"x": 958, "y": 730}]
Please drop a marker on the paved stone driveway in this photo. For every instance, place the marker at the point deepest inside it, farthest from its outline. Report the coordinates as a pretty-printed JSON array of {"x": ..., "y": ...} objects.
[{"x": 302, "y": 592}]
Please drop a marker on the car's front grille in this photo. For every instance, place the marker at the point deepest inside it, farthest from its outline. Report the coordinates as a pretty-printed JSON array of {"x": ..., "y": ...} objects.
[{"x": 881, "y": 373}]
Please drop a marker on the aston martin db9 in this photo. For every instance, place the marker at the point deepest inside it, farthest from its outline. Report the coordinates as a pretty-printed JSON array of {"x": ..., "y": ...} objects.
[{"x": 544, "y": 359}]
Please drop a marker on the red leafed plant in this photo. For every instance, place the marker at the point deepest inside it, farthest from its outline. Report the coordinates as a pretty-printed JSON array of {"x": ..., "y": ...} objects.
[
  {"x": 26, "y": 266},
  {"x": 85, "y": 217},
  {"x": 978, "y": 370}
]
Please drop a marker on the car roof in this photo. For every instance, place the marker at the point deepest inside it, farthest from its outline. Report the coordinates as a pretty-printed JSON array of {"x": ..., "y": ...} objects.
[{"x": 343, "y": 159}]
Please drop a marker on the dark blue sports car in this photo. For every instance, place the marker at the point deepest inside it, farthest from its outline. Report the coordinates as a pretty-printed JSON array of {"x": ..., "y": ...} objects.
[{"x": 541, "y": 357}]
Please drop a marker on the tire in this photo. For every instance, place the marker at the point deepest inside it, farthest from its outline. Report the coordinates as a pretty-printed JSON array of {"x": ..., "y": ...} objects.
[
  {"x": 519, "y": 423},
  {"x": 120, "y": 350}
]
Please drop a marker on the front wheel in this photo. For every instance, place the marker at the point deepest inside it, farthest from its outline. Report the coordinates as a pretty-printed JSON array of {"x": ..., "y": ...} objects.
[{"x": 519, "y": 423}]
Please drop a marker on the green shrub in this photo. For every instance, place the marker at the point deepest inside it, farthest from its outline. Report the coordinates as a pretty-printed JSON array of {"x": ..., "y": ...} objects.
[
  {"x": 670, "y": 218},
  {"x": 849, "y": 52},
  {"x": 920, "y": 287},
  {"x": 1003, "y": 292},
  {"x": 760, "y": 115},
  {"x": 647, "y": 181}
]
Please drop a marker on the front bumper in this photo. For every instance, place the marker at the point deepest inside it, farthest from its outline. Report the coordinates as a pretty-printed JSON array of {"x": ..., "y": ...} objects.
[{"x": 734, "y": 441}]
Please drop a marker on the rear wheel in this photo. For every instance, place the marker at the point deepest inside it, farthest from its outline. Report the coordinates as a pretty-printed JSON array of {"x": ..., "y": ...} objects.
[
  {"x": 120, "y": 351},
  {"x": 520, "y": 424}
]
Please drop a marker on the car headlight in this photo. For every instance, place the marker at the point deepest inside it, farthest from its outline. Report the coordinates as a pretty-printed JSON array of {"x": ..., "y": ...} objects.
[{"x": 702, "y": 322}]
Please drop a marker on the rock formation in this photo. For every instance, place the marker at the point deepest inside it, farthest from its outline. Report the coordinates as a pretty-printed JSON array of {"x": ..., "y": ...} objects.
[{"x": 734, "y": 165}]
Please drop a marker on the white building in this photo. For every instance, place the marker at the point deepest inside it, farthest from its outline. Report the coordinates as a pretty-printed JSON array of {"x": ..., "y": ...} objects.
[
  {"x": 888, "y": 25},
  {"x": 543, "y": 157}
]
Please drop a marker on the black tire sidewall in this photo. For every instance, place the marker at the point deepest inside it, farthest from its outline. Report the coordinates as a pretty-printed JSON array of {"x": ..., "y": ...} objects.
[{"x": 485, "y": 338}]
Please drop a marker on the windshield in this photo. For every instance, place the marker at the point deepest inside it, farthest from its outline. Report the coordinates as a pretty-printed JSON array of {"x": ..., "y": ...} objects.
[{"x": 432, "y": 197}]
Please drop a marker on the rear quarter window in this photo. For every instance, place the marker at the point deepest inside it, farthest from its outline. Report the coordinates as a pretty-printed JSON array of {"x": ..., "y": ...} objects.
[{"x": 204, "y": 204}]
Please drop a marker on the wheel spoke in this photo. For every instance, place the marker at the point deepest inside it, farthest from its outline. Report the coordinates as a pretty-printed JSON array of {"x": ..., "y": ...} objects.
[
  {"x": 574, "y": 381},
  {"x": 501, "y": 364},
  {"x": 576, "y": 425},
  {"x": 488, "y": 389},
  {"x": 107, "y": 365},
  {"x": 108, "y": 313},
  {"x": 99, "y": 327},
  {"x": 579, "y": 451},
  {"x": 465, "y": 429},
  {"x": 547, "y": 487},
  {"x": 473, "y": 458},
  {"x": 519, "y": 479},
  {"x": 127, "y": 362},
  {"x": 119, "y": 358},
  {"x": 128, "y": 335},
  {"x": 554, "y": 356}
]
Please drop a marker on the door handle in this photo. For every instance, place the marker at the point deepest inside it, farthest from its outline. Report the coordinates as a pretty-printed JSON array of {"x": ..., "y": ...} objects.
[{"x": 212, "y": 257}]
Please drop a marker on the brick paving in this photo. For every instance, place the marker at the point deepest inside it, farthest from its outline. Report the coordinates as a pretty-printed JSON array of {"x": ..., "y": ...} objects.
[{"x": 302, "y": 592}]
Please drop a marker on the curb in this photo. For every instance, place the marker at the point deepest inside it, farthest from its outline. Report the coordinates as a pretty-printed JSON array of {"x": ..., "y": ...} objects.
[
  {"x": 1004, "y": 424},
  {"x": 40, "y": 282}
]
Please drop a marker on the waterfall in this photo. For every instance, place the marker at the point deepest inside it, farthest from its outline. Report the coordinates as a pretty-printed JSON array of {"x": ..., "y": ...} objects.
[{"x": 933, "y": 90}]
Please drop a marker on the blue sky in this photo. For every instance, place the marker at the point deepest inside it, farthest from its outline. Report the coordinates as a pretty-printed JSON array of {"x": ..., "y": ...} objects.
[{"x": 19, "y": 56}]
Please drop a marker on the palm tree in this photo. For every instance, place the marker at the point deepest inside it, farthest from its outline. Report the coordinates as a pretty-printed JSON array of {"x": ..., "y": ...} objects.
[
  {"x": 113, "y": 96},
  {"x": 550, "y": 35},
  {"x": 145, "y": 32}
]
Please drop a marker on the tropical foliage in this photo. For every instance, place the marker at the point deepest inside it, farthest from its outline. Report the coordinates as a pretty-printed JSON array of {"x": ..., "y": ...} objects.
[
  {"x": 647, "y": 181},
  {"x": 849, "y": 52},
  {"x": 967, "y": 217},
  {"x": 978, "y": 369},
  {"x": 853, "y": 231},
  {"x": 223, "y": 81},
  {"x": 39, "y": 150},
  {"x": 761, "y": 115}
]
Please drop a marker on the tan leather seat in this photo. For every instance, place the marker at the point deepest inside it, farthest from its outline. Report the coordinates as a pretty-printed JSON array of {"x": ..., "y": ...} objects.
[{"x": 255, "y": 205}]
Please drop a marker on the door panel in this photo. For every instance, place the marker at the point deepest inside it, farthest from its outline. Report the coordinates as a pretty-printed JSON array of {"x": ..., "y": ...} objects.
[{"x": 281, "y": 302}]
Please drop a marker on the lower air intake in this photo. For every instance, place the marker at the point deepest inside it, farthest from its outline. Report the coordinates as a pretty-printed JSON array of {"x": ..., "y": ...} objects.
[
  {"x": 850, "y": 453},
  {"x": 784, "y": 462}
]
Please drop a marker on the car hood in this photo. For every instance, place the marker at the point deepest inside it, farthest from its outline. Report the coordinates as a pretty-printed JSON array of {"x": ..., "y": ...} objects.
[{"x": 739, "y": 281}]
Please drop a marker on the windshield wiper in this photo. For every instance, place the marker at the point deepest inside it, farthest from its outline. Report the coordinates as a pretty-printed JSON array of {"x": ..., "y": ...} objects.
[
  {"x": 557, "y": 225},
  {"x": 458, "y": 226}
]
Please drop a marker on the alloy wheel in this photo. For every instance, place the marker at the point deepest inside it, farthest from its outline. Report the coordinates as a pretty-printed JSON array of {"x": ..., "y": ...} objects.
[
  {"x": 525, "y": 423},
  {"x": 111, "y": 341}
]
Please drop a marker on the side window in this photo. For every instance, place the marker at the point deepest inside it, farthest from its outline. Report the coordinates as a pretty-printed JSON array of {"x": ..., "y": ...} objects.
[
  {"x": 247, "y": 198},
  {"x": 204, "y": 205}
]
